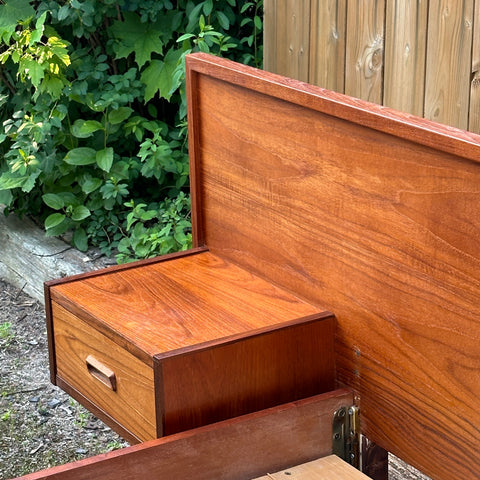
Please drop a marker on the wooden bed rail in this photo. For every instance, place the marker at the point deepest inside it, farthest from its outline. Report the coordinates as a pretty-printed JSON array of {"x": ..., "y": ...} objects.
[{"x": 238, "y": 449}]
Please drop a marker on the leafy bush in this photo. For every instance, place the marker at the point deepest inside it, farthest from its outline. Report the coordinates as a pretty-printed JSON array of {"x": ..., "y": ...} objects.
[{"x": 92, "y": 99}]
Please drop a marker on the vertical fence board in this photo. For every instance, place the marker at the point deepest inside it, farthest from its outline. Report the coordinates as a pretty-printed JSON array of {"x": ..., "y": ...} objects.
[
  {"x": 474, "y": 114},
  {"x": 287, "y": 36},
  {"x": 270, "y": 22},
  {"x": 327, "y": 44},
  {"x": 364, "y": 54},
  {"x": 418, "y": 56},
  {"x": 449, "y": 46},
  {"x": 405, "y": 45}
]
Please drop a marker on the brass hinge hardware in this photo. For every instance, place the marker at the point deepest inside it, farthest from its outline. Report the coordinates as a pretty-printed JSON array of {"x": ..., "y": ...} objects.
[{"x": 346, "y": 435}]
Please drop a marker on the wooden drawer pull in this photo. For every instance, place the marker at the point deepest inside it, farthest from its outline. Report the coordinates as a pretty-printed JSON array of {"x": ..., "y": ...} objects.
[{"x": 101, "y": 372}]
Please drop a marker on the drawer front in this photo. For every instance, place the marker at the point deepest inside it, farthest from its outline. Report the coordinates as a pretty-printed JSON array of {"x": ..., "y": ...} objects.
[{"x": 118, "y": 383}]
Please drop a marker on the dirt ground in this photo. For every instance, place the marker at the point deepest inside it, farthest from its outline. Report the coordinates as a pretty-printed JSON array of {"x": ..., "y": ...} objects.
[{"x": 41, "y": 426}]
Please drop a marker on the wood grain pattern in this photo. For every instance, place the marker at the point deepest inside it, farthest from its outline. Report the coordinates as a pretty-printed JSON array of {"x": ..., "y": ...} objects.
[
  {"x": 203, "y": 340},
  {"x": 474, "y": 111},
  {"x": 327, "y": 44},
  {"x": 288, "y": 45},
  {"x": 236, "y": 449},
  {"x": 405, "y": 48},
  {"x": 407, "y": 67},
  {"x": 327, "y": 468},
  {"x": 190, "y": 300},
  {"x": 448, "y": 61},
  {"x": 233, "y": 378},
  {"x": 132, "y": 404},
  {"x": 370, "y": 213},
  {"x": 365, "y": 50}
]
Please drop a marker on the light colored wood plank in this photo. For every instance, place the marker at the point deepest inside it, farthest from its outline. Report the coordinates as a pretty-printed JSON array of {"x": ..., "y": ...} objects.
[
  {"x": 405, "y": 46},
  {"x": 448, "y": 71},
  {"x": 364, "y": 50},
  {"x": 327, "y": 48},
  {"x": 474, "y": 114},
  {"x": 28, "y": 258},
  {"x": 269, "y": 35},
  {"x": 327, "y": 468},
  {"x": 287, "y": 34}
]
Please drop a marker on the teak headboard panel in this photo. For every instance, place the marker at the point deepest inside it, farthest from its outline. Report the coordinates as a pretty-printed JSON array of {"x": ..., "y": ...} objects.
[{"x": 370, "y": 213}]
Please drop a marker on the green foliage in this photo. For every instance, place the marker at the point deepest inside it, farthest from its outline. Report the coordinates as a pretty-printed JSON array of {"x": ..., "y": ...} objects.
[{"x": 92, "y": 113}]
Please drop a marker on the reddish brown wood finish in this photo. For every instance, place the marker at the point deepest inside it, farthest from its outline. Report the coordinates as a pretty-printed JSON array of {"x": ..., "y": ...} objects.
[
  {"x": 189, "y": 341},
  {"x": 237, "y": 449},
  {"x": 284, "y": 364},
  {"x": 369, "y": 212}
]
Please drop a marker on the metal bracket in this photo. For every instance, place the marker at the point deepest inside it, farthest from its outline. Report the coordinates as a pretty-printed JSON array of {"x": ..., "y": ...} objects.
[{"x": 346, "y": 435}]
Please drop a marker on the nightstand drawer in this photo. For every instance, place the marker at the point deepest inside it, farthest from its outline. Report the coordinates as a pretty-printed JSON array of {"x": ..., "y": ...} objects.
[
  {"x": 162, "y": 347},
  {"x": 116, "y": 382}
]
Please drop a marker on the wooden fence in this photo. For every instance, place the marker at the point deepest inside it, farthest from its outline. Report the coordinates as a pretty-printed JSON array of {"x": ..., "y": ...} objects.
[{"x": 417, "y": 56}]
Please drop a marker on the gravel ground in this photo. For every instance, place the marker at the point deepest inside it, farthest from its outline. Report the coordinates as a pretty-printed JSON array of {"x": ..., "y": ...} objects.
[{"x": 40, "y": 425}]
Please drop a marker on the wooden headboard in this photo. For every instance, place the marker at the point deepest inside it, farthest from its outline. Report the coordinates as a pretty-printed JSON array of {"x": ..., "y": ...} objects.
[{"x": 370, "y": 213}]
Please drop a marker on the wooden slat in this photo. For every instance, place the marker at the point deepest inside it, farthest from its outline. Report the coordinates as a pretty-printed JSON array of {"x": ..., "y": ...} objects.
[
  {"x": 287, "y": 37},
  {"x": 405, "y": 46},
  {"x": 449, "y": 46},
  {"x": 365, "y": 49},
  {"x": 327, "y": 44},
  {"x": 327, "y": 468},
  {"x": 375, "y": 216},
  {"x": 474, "y": 113},
  {"x": 237, "y": 449}
]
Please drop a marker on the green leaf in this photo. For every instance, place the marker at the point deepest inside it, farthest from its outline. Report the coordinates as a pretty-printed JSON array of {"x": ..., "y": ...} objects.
[
  {"x": 6, "y": 197},
  {"x": 207, "y": 7},
  {"x": 223, "y": 20},
  {"x": 85, "y": 128},
  {"x": 59, "y": 228},
  {"x": 53, "y": 201},
  {"x": 90, "y": 184},
  {"x": 81, "y": 156},
  {"x": 54, "y": 220},
  {"x": 63, "y": 12},
  {"x": 136, "y": 36},
  {"x": 119, "y": 115},
  {"x": 33, "y": 70},
  {"x": 158, "y": 76},
  {"x": 36, "y": 35},
  {"x": 80, "y": 240},
  {"x": 80, "y": 212},
  {"x": 59, "y": 48},
  {"x": 185, "y": 36},
  {"x": 104, "y": 159},
  {"x": 13, "y": 12},
  {"x": 9, "y": 180},
  {"x": 52, "y": 85}
]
